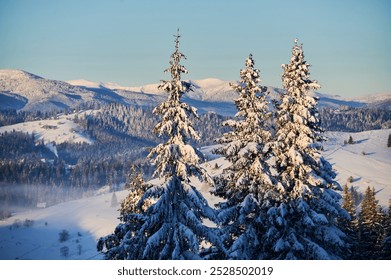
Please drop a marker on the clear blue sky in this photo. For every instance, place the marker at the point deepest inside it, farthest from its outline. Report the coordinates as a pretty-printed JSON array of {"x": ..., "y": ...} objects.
[{"x": 347, "y": 42}]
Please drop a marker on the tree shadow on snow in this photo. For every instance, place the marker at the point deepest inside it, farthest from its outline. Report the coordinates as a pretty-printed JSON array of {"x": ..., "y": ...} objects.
[{"x": 361, "y": 141}]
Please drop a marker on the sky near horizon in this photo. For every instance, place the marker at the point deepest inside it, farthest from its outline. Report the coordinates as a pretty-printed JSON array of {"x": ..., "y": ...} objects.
[{"x": 348, "y": 43}]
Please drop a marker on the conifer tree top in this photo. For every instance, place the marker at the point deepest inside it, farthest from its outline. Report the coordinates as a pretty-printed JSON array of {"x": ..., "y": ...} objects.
[
  {"x": 296, "y": 76},
  {"x": 250, "y": 79},
  {"x": 175, "y": 87},
  {"x": 176, "y": 157}
]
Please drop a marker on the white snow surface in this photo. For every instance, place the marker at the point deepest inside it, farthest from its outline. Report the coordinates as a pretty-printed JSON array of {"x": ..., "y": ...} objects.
[
  {"x": 87, "y": 219},
  {"x": 368, "y": 161},
  {"x": 37, "y": 93},
  {"x": 59, "y": 129},
  {"x": 85, "y": 83}
]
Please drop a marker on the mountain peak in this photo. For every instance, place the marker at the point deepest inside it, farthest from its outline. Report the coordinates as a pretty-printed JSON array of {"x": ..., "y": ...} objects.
[
  {"x": 23, "y": 90},
  {"x": 84, "y": 83},
  {"x": 15, "y": 74}
]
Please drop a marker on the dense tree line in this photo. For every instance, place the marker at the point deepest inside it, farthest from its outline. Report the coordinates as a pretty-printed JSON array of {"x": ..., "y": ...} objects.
[
  {"x": 121, "y": 139},
  {"x": 11, "y": 116},
  {"x": 355, "y": 119},
  {"x": 80, "y": 169},
  {"x": 137, "y": 121},
  {"x": 369, "y": 226}
]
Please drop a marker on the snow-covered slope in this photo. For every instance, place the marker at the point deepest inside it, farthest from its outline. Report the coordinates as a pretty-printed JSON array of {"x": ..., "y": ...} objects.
[
  {"x": 374, "y": 98},
  {"x": 85, "y": 220},
  {"x": 85, "y": 83},
  {"x": 36, "y": 93},
  {"x": 213, "y": 89},
  {"x": 60, "y": 129},
  {"x": 368, "y": 161},
  {"x": 21, "y": 90},
  {"x": 381, "y": 101},
  {"x": 26, "y": 91},
  {"x": 206, "y": 89},
  {"x": 89, "y": 218}
]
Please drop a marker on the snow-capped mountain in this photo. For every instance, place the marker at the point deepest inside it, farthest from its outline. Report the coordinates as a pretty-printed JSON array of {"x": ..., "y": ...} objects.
[
  {"x": 379, "y": 100},
  {"x": 25, "y": 91},
  {"x": 207, "y": 89},
  {"x": 213, "y": 89}
]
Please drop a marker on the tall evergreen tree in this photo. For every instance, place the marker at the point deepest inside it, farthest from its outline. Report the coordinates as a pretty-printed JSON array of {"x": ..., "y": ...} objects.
[
  {"x": 386, "y": 240},
  {"x": 350, "y": 224},
  {"x": 371, "y": 226},
  {"x": 122, "y": 243},
  {"x": 247, "y": 183},
  {"x": 348, "y": 202},
  {"x": 137, "y": 188},
  {"x": 173, "y": 227},
  {"x": 303, "y": 224}
]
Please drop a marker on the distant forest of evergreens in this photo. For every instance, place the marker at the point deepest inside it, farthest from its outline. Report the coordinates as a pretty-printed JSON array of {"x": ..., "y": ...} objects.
[{"x": 30, "y": 173}]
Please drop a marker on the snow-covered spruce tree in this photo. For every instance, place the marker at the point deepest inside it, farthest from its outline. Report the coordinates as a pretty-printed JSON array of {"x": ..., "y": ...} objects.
[
  {"x": 122, "y": 244},
  {"x": 173, "y": 226},
  {"x": 348, "y": 203},
  {"x": 371, "y": 227},
  {"x": 247, "y": 184},
  {"x": 350, "y": 224},
  {"x": 137, "y": 187},
  {"x": 303, "y": 224},
  {"x": 386, "y": 243}
]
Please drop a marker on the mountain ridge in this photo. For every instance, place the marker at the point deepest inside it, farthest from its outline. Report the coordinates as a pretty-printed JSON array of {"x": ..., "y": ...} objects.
[{"x": 22, "y": 90}]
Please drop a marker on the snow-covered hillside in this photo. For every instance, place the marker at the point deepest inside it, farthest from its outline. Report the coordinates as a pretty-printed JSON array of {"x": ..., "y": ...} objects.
[
  {"x": 31, "y": 92},
  {"x": 368, "y": 160},
  {"x": 89, "y": 218},
  {"x": 21, "y": 90},
  {"x": 213, "y": 89},
  {"x": 60, "y": 129},
  {"x": 85, "y": 220}
]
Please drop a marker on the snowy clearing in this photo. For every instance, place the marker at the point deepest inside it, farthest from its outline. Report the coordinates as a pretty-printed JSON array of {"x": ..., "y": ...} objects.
[
  {"x": 59, "y": 130},
  {"x": 368, "y": 160}
]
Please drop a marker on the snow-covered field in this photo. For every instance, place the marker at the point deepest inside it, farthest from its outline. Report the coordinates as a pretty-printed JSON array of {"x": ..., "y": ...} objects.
[
  {"x": 85, "y": 220},
  {"x": 59, "y": 130},
  {"x": 89, "y": 218},
  {"x": 368, "y": 161}
]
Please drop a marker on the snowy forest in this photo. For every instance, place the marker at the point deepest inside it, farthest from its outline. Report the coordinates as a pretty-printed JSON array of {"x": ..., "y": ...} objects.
[
  {"x": 276, "y": 198},
  {"x": 279, "y": 196},
  {"x": 30, "y": 173}
]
